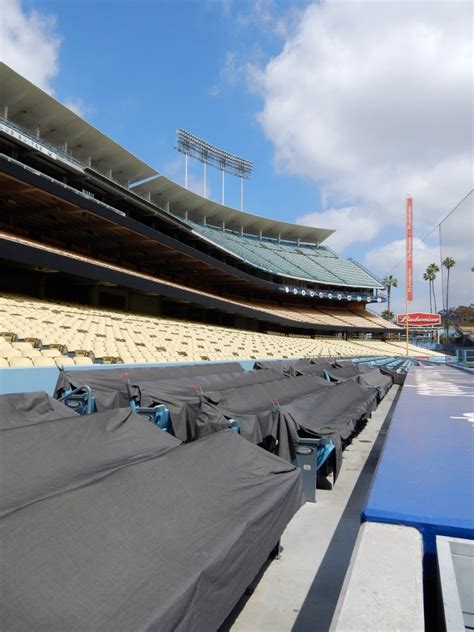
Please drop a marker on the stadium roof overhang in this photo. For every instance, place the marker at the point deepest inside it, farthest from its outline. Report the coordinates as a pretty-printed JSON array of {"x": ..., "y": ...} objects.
[
  {"x": 32, "y": 108},
  {"x": 162, "y": 191}
]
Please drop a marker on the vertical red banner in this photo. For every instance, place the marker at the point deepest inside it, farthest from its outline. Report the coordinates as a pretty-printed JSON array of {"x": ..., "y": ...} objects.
[{"x": 409, "y": 248}]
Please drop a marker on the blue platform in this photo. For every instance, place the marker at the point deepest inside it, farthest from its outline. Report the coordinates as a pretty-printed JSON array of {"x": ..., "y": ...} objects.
[{"x": 425, "y": 477}]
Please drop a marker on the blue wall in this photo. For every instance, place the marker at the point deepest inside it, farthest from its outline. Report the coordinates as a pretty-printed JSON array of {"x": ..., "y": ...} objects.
[{"x": 23, "y": 380}]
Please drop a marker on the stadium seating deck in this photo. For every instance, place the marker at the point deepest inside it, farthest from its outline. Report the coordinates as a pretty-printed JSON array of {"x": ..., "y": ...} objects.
[
  {"x": 66, "y": 334},
  {"x": 295, "y": 313},
  {"x": 305, "y": 261}
]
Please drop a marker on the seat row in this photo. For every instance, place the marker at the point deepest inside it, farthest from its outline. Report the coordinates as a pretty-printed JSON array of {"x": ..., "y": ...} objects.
[{"x": 35, "y": 331}]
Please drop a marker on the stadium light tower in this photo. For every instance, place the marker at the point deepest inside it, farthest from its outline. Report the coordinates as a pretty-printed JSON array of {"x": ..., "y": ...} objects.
[{"x": 191, "y": 145}]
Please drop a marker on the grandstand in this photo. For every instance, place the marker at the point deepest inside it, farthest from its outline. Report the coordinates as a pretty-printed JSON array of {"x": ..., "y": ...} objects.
[
  {"x": 45, "y": 333},
  {"x": 270, "y": 364},
  {"x": 108, "y": 262},
  {"x": 91, "y": 234}
]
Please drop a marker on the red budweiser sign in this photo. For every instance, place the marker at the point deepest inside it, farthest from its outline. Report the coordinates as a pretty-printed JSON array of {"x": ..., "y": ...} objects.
[{"x": 419, "y": 319}]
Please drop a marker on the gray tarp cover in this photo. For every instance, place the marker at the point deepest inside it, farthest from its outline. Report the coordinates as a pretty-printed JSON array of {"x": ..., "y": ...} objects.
[
  {"x": 44, "y": 459},
  {"x": 332, "y": 413},
  {"x": 167, "y": 543},
  {"x": 256, "y": 409},
  {"x": 366, "y": 375},
  {"x": 306, "y": 403},
  {"x": 281, "y": 365},
  {"x": 109, "y": 387},
  {"x": 182, "y": 395},
  {"x": 22, "y": 409},
  {"x": 303, "y": 366},
  {"x": 315, "y": 368}
]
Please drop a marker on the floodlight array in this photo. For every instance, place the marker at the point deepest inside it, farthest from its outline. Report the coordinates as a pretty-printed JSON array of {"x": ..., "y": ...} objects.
[{"x": 197, "y": 148}]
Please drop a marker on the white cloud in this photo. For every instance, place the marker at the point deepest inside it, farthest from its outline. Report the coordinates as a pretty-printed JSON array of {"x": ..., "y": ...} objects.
[
  {"x": 391, "y": 257},
  {"x": 29, "y": 43},
  {"x": 350, "y": 227},
  {"x": 457, "y": 233},
  {"x": 373, "y": 100},
  {"x": 231, "y": 70},
  {"x": 263, "y": 15}
]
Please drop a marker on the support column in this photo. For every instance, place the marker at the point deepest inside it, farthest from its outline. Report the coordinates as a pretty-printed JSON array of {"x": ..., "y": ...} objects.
[
  {"x": 222, "y": 189},
  {"x": 185, "y": 171},
  {"x": 241, "y": 193},
  {"x": 260, "y": 235},
  {"x": 5, "y": 111},
  {"x": 204, "y": 182}
]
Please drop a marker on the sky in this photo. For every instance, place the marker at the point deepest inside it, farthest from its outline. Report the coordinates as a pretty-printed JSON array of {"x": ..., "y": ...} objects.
[{"x": 344, "y": 107}]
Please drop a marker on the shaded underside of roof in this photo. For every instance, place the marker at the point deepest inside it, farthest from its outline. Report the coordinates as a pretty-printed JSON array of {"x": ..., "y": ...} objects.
[
  {"x": 32, "y": 108},
  {"x": 163, "y": 191}
]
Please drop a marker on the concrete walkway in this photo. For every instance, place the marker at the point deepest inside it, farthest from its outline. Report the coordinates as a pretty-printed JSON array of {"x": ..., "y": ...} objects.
[{"x": 299, "y": 592}]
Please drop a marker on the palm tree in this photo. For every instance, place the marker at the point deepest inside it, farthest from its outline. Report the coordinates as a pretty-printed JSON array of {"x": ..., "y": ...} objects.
[
  {"x": 448, "y": 264},
  {"x": 389, "y": 282},
  {"x": 427, "y": 277},
  {"x": 433, "y": 269}
]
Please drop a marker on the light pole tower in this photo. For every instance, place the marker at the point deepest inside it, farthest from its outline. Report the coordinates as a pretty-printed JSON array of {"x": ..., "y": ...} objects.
[{"x": 194, "y": 147}]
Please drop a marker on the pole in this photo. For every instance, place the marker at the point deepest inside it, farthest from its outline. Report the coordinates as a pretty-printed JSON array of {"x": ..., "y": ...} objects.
[
  {"x": 241, "y": 193},
  {"x": 409, "y": 262},
  {"x": 204, "y": 182},
  {"x": 222, "y": 190},
  {"x": 185, "y": 171},
  {"x": 406, "y": 319}
]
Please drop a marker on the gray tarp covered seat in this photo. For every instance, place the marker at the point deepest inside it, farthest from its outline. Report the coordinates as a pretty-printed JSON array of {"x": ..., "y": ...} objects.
[
  {"x": 23, "y": 409},
  {"x": 256, "y": 408},
  {"x": 378, "y": 380},
  {"x": 153, "y": 536},
  {"x": 292, "y": 368},
  {"x": 317, "y": 367},
  {"x": 182, "y": 396},
  {"x": 309, "y": 403},
  {"x": 43, "y": 459},
  {"x": 333, "y": 413},
  {"x": 366, "y": 375},
  {"x": 109, "y": 386},
  {"x": 283, "y": 366}
]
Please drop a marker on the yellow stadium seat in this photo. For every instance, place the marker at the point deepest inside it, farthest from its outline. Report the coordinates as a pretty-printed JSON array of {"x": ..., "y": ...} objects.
[
  {"x": 31, "y": 353},
  {"x": 64, "y": 361},
  {"x": 10, "y": 353},
  {"x": 43, "y": 361},
  {"x": 82, "y": 360},
  {"x": 20, "y": 362},
  {"x": 50, "y": 353},
  {"x": 22, "y": 345}
]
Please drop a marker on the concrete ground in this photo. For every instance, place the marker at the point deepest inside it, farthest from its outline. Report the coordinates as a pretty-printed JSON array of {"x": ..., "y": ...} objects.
[{"x": 299, "y": 592}]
